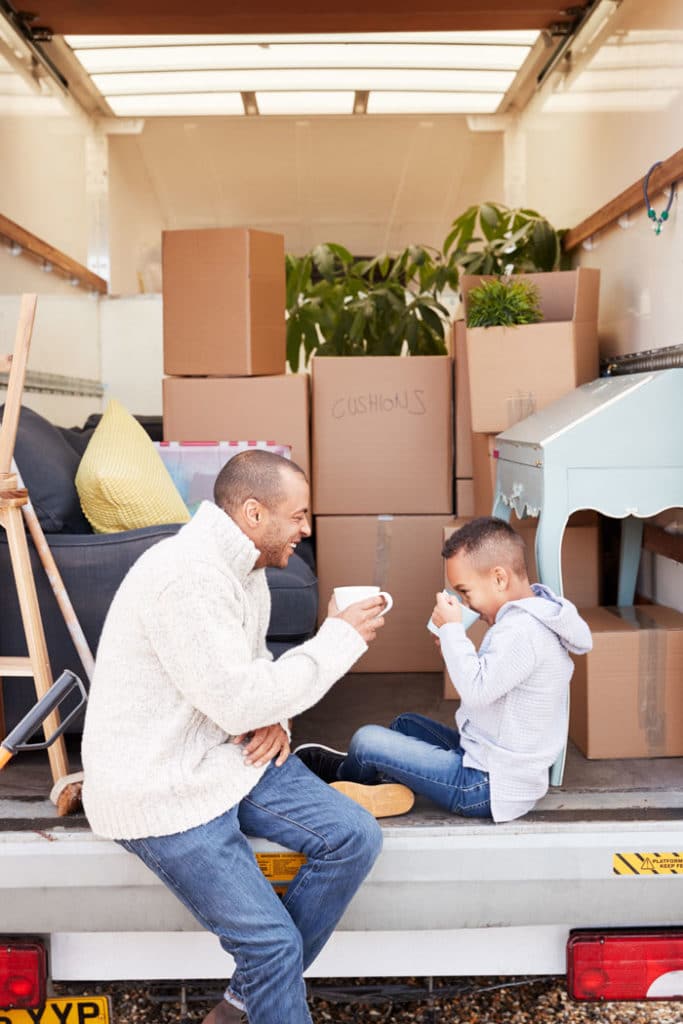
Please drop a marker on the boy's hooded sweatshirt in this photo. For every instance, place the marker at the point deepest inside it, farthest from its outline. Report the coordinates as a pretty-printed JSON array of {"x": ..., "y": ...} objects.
[{"x": 514, "y": 692}]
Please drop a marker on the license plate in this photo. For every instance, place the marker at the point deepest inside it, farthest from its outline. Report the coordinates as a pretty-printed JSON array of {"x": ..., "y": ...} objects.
[{"x": 70, "y": 1010}]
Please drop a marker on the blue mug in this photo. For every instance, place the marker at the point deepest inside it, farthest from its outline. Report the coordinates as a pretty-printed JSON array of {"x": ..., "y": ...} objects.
[{"x": 468, "y": 616}]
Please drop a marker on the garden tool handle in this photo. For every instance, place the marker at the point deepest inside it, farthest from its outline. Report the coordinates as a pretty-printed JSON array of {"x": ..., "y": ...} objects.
[{"x": 60, "y": 689}]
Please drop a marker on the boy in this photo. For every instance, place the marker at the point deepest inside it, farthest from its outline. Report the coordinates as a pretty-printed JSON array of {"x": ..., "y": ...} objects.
[{"x": 511, "y": 722}]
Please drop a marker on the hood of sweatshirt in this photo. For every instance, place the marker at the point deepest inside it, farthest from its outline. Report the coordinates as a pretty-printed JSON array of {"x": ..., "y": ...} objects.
[{"x": 558, "y": 615}]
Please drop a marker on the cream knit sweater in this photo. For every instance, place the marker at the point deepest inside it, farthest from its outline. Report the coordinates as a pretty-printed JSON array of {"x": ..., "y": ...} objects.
[{"x": 181, "y": 667}]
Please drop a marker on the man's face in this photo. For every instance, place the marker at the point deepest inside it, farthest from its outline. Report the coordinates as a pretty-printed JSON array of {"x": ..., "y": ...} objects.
[
  {"x": 283, "y": 527},
  {"x": 478, "y": 589}
]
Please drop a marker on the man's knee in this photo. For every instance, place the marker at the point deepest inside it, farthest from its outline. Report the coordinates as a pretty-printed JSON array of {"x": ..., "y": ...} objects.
[{"x": 363, "y": 835}]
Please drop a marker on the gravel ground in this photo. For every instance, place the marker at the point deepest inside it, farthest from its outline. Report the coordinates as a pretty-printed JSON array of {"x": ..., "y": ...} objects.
[{"x": 395, "y": 1001}]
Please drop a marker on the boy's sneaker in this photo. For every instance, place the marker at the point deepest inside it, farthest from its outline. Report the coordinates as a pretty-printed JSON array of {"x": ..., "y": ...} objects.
[
  {"x": 322, "y": 761},
  {"x": 383, "y": 800}
]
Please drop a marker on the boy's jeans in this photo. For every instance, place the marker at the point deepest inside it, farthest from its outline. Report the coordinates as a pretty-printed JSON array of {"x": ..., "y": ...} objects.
[
  {"x": 212, "y": 870},
  {"x": 425, "y": 756}
]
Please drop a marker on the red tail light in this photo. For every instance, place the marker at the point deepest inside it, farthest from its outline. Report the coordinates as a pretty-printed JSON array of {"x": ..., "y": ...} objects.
[
  {"x": 23, "y": 970},
  {"x": 643, "y": 964}
]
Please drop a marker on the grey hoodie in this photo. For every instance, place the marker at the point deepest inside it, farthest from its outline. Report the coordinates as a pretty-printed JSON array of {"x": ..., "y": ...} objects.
[{"x": 513, "y": 712}]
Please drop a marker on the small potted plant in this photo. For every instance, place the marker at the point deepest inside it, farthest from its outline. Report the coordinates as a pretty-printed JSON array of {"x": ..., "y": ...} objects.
[{"x": 504, "y": 302}]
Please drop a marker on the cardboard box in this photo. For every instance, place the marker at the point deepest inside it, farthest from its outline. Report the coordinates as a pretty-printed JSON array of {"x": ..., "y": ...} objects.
[
  {"x": 463, "y": 413},
  {"x": 464, "y": 498},
  {"x": 401, "y": 554},
  {"x": 484, "y": 469},
  {"x": 580, "y": 568},
  {"x": 223, "y": 302},
  {"x": 382, "y": 435},
  {"x": 517, "y": 370},
  {"x": 626, "y": 694},
  {"x": 240, "y": 408}
]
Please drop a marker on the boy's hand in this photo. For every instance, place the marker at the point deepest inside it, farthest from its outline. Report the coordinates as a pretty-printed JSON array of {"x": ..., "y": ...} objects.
[
  {"x": 446, "y": 609},
  {"x": 364, "y": 616}
]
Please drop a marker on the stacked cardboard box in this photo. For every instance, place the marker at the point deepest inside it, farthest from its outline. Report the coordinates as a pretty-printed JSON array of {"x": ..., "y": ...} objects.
[
  {"x": 224, "y": 341},
  {"x": 626, "y": 694},
  {"x": 383, "y": 491},
  {"x": 464, "y": 482},
  {"x": 508, "y": 373}
]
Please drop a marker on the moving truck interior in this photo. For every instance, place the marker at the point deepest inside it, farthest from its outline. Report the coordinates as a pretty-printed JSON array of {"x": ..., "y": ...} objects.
[{"x": 120, "y": 127}]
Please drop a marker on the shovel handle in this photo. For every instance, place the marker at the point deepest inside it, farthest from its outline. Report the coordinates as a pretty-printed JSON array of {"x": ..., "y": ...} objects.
[{"x": 60, "y": 689}]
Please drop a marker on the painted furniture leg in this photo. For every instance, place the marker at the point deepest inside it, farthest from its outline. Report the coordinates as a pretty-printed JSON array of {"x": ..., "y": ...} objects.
[
  {"x": 549, "y": 561},
  {"x": 629, "y": 558}
]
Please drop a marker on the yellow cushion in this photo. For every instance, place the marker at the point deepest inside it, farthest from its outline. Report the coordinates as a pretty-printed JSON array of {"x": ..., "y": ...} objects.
[{"x": 121, "y": 481}]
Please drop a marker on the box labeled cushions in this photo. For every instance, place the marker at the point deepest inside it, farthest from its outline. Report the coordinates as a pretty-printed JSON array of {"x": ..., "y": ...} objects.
[
  {"x": 223, "y": 302},
  {"x": 382, "y": 435},
  {"x": 626, "y": 694},
  {"x": 514, "y": 371}
]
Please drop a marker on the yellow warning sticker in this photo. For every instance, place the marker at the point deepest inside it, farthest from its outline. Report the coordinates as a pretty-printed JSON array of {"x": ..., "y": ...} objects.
[
  {"x": 647, "y": 863},
  {"x": 280, "y": 867}
]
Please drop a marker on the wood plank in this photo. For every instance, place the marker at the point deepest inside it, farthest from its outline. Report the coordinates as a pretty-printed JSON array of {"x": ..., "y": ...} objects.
[
  {"x": 35, "y": 637},
  {"x": 657, "y": 540},
  {"x": 66, "y": 17},
  {"x": 44, "y": 251},
  {"x": 663, "y": 177},
  {"x": 14, "y": 665},
  {"x": 15, "y": 383}
]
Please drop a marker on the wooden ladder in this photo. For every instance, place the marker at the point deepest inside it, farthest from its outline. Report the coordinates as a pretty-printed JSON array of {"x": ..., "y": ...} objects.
[{"x": 12, "y": 500}]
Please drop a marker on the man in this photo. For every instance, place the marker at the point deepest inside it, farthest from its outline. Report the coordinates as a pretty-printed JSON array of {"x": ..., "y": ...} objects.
[{"x": 185, "y": 745}]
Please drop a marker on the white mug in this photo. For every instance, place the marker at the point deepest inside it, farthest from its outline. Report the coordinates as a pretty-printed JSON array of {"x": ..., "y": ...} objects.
[
  {"x": 468, "y": 616},
  {"x": 344, "y": 596}
]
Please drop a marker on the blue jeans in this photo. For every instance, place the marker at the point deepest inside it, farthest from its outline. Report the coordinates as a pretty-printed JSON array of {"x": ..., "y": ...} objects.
[
  {"x": 425, "y": 756},
  {"x": 212, "y": 870}
]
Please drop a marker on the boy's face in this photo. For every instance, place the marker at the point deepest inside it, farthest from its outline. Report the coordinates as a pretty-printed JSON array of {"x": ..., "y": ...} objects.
[{"x": 482, "y": 591}]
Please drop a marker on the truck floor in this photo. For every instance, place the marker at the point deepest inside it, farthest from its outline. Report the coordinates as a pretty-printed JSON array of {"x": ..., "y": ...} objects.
[{"x": 593, "y": 791}]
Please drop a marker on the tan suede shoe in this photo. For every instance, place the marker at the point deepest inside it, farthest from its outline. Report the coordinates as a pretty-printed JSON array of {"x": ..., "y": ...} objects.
[{"x": 383, "y": 800}]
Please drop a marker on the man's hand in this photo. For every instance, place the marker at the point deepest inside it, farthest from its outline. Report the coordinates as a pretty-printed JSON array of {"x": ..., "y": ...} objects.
[
  {"x": 265, "y": 744},
  {"x": 364, "y": 616},
  {"x": 446, "y": 609}
]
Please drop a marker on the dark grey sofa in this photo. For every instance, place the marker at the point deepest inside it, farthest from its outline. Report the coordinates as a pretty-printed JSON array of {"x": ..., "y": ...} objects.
[{"x": 93, "y": 565}]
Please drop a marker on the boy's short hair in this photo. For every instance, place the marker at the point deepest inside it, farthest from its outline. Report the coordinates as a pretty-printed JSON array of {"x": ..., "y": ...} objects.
[{"x": 488, "y": 541}]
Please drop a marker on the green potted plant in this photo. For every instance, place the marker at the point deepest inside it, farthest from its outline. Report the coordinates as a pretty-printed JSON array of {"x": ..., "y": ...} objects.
[
  {"x": 339, "y": 305},
  {"x": 494, "y": 239},
  {"x": 504, "y": 302}
]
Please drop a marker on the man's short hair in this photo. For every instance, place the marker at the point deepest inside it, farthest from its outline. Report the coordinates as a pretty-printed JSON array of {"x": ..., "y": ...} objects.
[
  {"x": 253, "y": 474},
  {"x": 489, "y": 541}
]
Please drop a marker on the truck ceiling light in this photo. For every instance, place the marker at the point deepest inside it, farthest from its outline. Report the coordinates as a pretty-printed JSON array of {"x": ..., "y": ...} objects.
[
  {"x": 207, "y": 57},
  {"x": 433, "y": 102},
  {"x": 289, "y": 79},
  {"x": 303, "y": 103}
]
